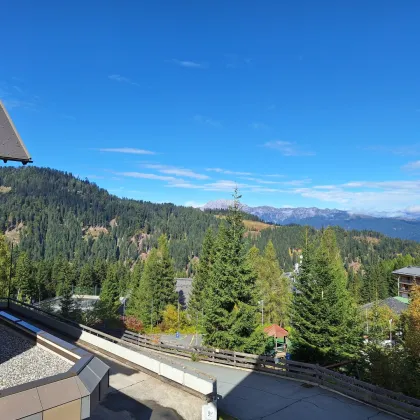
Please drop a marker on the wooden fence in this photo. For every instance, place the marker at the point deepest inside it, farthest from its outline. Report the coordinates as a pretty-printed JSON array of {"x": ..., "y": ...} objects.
[{"x": 393, "y": 402}]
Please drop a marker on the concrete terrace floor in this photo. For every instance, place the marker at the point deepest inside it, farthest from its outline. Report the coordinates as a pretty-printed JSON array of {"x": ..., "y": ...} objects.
[
  {"x": 254, "y": 396},
  {"x": 136, "y": 395}
]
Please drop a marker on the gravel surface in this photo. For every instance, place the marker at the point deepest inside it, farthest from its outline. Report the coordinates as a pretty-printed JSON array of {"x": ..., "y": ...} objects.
[{"x": 21, "y": 361}]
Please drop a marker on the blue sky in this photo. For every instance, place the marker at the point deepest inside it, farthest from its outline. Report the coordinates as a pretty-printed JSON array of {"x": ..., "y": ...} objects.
[{"x": 299, "y": 103}]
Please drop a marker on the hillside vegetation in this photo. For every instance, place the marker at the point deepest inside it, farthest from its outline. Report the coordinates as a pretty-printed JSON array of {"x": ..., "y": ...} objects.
[{"x": 53, "y": 214}]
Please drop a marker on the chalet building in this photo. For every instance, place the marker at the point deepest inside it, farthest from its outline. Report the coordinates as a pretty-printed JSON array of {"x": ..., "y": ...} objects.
[{"x": 407, "y": 277}]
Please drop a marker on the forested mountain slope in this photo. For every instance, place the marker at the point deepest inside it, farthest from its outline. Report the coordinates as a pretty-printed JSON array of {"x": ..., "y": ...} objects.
[
  {"x": 58, "y": 214},
  {"x": 52, "y": 213}
]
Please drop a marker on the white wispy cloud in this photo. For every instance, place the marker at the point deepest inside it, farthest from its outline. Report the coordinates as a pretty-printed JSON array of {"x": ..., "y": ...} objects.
[
  {"x": 412, "y": 166},
  {"x": 13, "y": 96},
  {"x": 287, "y": 148},
  {"x": 207, "y": 120},
  {"x": 259, "y": 180},
  {"x": 224, "y": 185},
  {"x": 122, "y": 79},
  {"x": 189, "y": 64},
  {"x": 227, "y": 172},
  {"x": 184, "y": 184},
  {"x": 368, "y": 196},
  {"x": 173, "y": 170},
  {"x": 259, "y": 126},
  {"x": 193, "y": 203},
  {"x": 295, "y": 182},
  {"x": 404, "y": 150},
  {"x": 127, "y": 150},
  {"x": 142, "y": 175}
]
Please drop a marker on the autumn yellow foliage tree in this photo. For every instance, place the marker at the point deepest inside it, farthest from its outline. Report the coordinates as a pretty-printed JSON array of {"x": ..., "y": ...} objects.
[{"x": 412, "y": 319}]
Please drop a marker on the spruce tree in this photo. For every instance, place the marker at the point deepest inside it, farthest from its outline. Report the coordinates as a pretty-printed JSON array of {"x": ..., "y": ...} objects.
[
  {"x": 142, "y": 304},
  {"x": 202, "y": 278},
  {"x": 166, "y": 278},
  {"x": 276, "y": 288},
  {"x": 325, "y": 321},
  {"x": 86, "y": 279},
  {"x": 4, "y": 267},
  {"x": 25, "y": 279},
  {"x": 110, "y": 296},
  {"x": 69, "y": 307},
  {"x": 230, "y": 313}
]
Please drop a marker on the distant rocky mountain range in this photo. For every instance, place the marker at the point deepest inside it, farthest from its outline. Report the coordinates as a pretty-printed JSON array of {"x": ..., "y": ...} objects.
[{"x": 407, "y": 226}]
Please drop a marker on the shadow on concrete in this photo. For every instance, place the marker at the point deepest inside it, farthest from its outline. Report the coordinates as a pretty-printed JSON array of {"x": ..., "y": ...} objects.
[{"x": 117, "y": 405}]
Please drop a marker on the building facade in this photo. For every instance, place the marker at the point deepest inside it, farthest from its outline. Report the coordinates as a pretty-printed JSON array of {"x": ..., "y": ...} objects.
[{"x": 407, "y": 277}]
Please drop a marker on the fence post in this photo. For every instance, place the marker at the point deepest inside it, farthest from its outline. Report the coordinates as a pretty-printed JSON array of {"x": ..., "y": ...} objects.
[
  {"x": 234, "y": 358},
  {"x": 319, "y": 375}
]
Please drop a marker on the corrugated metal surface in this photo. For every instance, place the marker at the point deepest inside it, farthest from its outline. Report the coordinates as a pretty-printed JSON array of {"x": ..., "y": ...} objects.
[{"x": 11, "y": 145}]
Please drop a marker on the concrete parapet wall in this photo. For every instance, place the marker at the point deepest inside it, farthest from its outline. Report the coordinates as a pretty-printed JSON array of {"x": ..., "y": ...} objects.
[
  {"x": 197, "y": 381},
  {"x": 70, "y": 395}
]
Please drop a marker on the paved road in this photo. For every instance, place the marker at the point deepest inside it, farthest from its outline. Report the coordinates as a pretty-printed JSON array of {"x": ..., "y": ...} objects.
[
  {"x": 254, "y": 396},
  {"x": 187, "y": 340}
]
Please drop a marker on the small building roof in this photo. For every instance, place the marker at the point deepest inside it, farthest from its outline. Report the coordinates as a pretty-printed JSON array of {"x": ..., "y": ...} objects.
[
  {"x": 11, "y": 145},
  {"x": 397, "y": 304},
  {"x": 276, "y": 331},
  {"x": 410, "y": 270}
]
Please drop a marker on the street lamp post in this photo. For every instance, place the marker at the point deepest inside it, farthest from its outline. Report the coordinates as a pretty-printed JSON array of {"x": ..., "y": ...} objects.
[
  {"x": 10, "y": 272},
  {"x": 390, "y": 330},
  {"x": 261, "y": 302}
]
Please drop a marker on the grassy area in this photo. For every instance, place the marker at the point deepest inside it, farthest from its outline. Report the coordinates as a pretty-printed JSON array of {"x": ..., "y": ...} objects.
[{"x": 256, "y": 226}]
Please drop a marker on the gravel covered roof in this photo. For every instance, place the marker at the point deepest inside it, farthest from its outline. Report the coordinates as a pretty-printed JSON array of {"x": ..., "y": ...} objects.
[{"x": 22, "y": 361}]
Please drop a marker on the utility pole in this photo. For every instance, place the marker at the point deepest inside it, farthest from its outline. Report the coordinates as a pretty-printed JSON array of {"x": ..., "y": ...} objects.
[
  {"x": 178, "y": 312},
  {"x": 196, "y": 330},
  {"x": 262, "y": 311},
  {"x": 390, "y": 330},
  {"x": 367, "y": 323},
  {"x": 10, "y": 272},
  {"x": 151, "y": 318}
]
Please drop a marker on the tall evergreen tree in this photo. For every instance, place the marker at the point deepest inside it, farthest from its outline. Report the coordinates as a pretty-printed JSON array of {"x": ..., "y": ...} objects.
[
  {"x": 142, "y": 303},
  {"x": 230, "y": 313},
  {"x": 375, "y": 285},
  {"x": 25, "y": 279},
  {"x": 202, "y": 277},
  {"x": 110, "y": 294},
  {"x": 325, "y": 320},
  {"x": 354, "y": 285},
  {"x": 69, "y": 307},
  {"x": 166, "y": 278},
  {"x": 5, "y": 266},
  {"x": 86, "y": 279},
  {"x": 276, "y": 288}
]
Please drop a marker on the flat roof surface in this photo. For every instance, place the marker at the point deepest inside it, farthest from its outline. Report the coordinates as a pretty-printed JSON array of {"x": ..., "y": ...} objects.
[
  {"x": 410, "y": 270},
  {"x": 22, "y": 361}
]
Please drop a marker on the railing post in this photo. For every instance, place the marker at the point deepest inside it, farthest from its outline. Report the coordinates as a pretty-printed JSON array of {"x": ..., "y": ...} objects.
[{"x": 318, "y": 374}]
